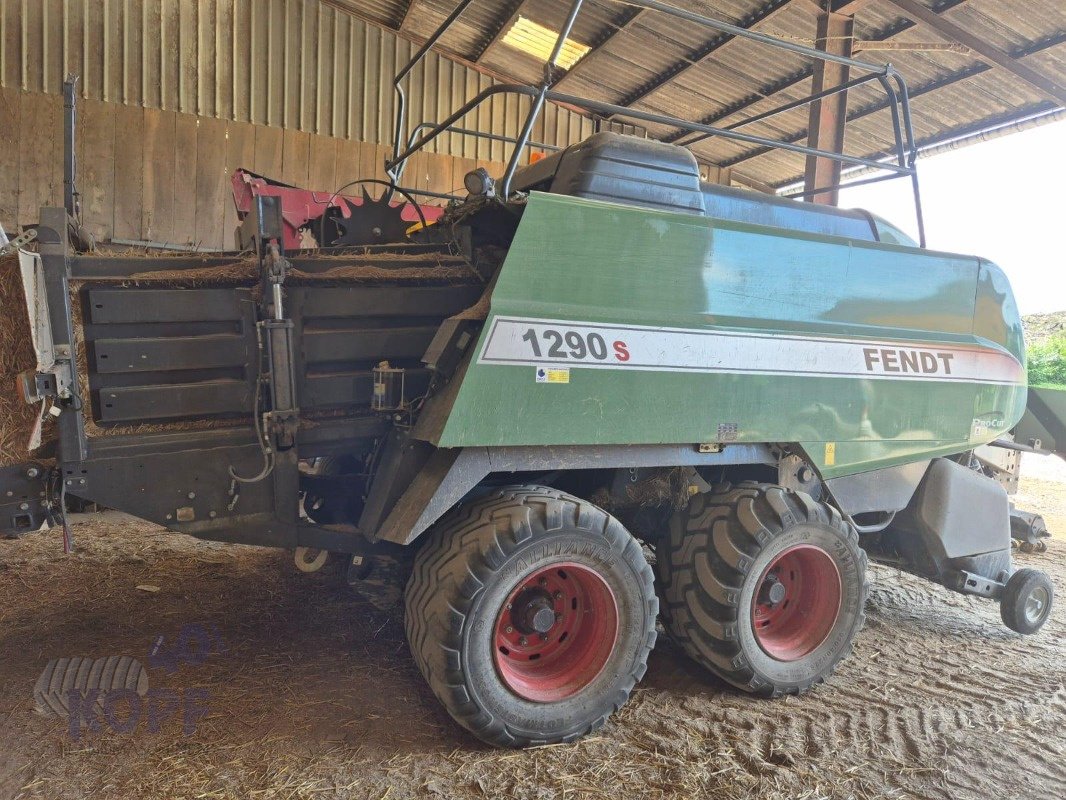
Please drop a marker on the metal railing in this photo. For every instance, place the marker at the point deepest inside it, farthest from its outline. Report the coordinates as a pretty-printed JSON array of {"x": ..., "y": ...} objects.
[{"x": 901, "y": 162}]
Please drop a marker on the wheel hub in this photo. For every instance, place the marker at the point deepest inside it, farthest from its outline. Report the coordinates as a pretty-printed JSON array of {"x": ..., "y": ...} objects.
[
  {"x": 797, "y": 602},
  {"x": 533, "y": 612},
  {"x": 1035, "y": 603},
  {"x": 555, "y": 632},
  {"x": 772, "y": 592}
]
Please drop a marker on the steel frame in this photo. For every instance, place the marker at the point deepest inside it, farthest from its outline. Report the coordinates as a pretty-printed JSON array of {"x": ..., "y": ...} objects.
[{"x": 904, "y": 150}]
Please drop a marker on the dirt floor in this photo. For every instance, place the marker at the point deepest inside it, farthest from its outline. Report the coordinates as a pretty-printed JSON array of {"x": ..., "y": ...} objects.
[{"x": 310, "y": 692}]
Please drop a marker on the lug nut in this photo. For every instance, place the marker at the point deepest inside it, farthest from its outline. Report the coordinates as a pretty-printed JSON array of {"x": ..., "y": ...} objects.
[
  {"x": 543, "y": 581},
  {"x": 558, "y": 595},
  {"x": 509, "y": 629},
  {"x": 523, "y": 641}
]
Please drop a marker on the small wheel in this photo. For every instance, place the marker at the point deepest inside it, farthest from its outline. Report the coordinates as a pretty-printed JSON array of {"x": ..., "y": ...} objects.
[
  {"x": 1026, "y": 601},
  {"x": 1027, "y": 547},
  {"x": 763, "y": 586},
  {"x": 531, "y": 614},
  {"x": 1041, "y": 546},
  {"x": 310, "y": 559}
]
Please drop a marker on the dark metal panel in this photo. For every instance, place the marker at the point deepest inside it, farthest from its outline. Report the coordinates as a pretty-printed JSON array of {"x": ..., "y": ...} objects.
[
  {"x": 315, "y": 437},
  {"x": 166, "y": 305},
  {"x": 85, "y": 266},
  {"x": 374, "y": 344},
  {"x": 188, "y": 491},
  {"x": 353, "y": 388},
  {"x": 417, "y": 301},
  {"x": 136, "y": 403},
  {"x": 337, "y": 435},
  {"x": 889, "y": 489},
  {"x": 156, "y": 355}
]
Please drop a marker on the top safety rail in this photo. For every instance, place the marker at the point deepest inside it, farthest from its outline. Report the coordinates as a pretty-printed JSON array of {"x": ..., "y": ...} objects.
[{"x": 901, "y": 162}]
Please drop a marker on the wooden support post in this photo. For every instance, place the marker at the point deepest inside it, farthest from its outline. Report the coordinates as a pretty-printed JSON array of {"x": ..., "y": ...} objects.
[{"x": 828, "y": 115}]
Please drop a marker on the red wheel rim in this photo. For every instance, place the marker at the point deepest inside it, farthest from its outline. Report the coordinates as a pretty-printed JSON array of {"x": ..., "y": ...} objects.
[
  {"x": 555, "y": 633},
  {"x": 796, "y": 603}
]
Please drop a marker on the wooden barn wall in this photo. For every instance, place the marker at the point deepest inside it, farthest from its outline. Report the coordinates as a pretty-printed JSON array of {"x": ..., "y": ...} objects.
[
  {"x": 294, "y": 64},
  {"x": 159, "y": 175},
  {"x": 174, "y": 94}
]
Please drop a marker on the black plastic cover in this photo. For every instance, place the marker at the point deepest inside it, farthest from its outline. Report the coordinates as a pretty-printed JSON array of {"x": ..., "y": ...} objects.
[
  {"x": 643, "y": 172},
  {"x": 960, "y": 512},
  {"x": 621, "y": 169}
]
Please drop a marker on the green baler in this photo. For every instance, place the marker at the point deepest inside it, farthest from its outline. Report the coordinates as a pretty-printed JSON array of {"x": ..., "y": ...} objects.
[{"x": 597, "y": 355}]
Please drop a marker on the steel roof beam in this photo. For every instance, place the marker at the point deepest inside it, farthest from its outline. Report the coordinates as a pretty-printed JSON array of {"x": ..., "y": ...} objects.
[
  {"x": 624, "y": 20},
  {"x": 508, "y": 17},
  {"x": 683, "y": 65},
  {"x": 1042, "y": 83},
  {"x": 405, "y": 15},
  {"x": 781, "y": 84},
  {"x": 828, "y": 115},
  {"x": 848, "y": 7},
  {"x": 916, "y": 91}
]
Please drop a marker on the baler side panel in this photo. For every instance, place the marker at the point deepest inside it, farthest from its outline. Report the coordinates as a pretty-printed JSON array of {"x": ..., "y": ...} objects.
[{"x": 590, "y": 263}]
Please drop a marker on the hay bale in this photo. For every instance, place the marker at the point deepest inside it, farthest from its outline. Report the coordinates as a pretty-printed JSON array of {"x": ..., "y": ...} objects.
[{"x": 17, "y": 418}]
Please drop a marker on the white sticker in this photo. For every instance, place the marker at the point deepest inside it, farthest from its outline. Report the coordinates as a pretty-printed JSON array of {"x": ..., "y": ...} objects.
[{"x": 564, "y": 344}]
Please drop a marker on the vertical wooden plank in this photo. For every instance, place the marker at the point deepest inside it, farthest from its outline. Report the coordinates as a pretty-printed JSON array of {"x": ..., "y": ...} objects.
[
  {"x": 157, "y": 214},
  {"x": 40, "y": 145},
  {"x": 11, "y": 50},
  {"x": 349, "y": 162},
  {"x": 210, "y": 182},
  {"x": 322, "y": 172},
  {"x": 129, "y": 172},
  {"x": 185, "y": 178},
  {"x": 10, "y": 108},
  {"x": 372, "y": 160},
  {"x": 416, "y": 172},
  {"x": 93, "y": 51},
  {"x": 439, "y": 170},
  {"x": 95, "y": 150},
  {"x": 460, "y": 168},
  {"x": 295, "y": 157},
  {"x": 268, "y": 147},
  {"x": 240, "y": 154}
]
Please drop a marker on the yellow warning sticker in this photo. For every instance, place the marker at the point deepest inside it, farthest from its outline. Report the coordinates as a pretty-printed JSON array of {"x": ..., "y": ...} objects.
[
  {"x": 553, "y": 375},
  {"x": 830, "y": 453}
]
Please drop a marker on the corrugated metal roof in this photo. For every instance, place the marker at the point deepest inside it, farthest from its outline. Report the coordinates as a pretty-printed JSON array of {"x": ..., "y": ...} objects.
[{"x": 646, "y": 60}]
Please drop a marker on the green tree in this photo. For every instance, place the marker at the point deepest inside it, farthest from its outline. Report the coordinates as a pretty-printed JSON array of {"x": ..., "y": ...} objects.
[{"x": 1047, "y": 362}]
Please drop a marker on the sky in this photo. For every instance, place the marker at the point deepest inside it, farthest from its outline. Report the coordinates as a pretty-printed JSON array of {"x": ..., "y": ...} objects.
[{"x": 1004, "y": 200}]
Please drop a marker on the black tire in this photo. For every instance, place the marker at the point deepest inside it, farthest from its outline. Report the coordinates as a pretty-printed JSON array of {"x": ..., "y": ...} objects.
[
  {"x": 711, "y": 565},
  {"x": 465, "y": 575},
  {"x": 1026, "y": 601}
]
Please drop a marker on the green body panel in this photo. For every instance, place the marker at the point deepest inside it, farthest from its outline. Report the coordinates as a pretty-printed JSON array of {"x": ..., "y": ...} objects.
[{"x": 593, "y": 262}]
